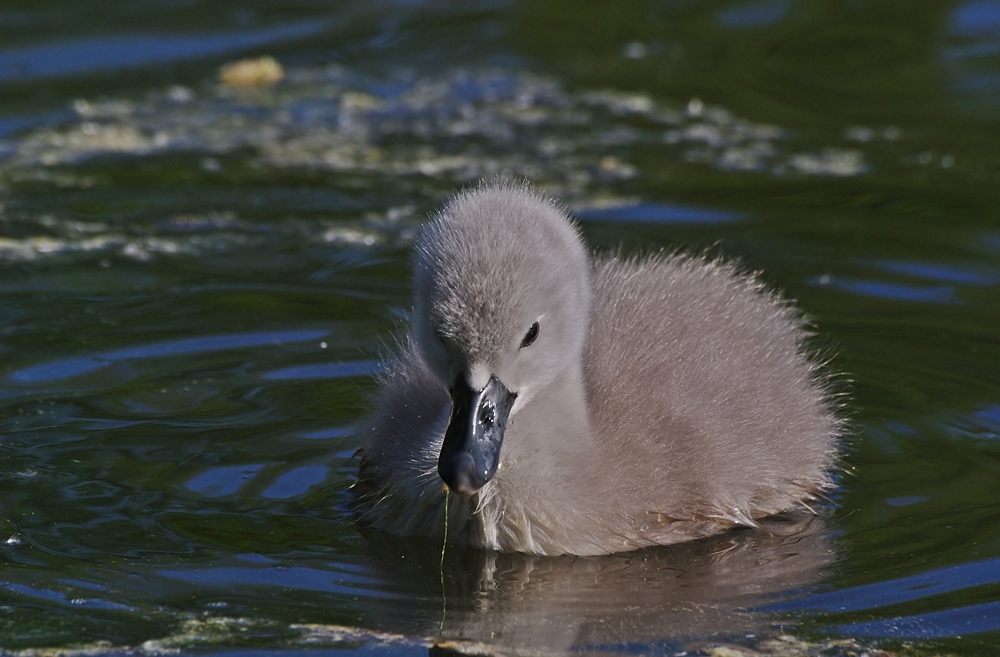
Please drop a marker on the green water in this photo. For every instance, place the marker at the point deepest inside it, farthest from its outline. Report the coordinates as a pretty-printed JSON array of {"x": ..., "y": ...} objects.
[{"x": 197, "y": 283}]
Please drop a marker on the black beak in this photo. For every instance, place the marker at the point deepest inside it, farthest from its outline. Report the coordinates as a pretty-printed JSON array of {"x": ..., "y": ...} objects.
[{"x": 471, "y": 450}]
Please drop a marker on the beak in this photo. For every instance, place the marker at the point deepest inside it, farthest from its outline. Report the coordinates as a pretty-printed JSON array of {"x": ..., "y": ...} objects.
[{"x": 471, "y": 450}]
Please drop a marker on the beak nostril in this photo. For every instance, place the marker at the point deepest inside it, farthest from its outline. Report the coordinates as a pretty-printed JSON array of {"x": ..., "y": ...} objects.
[{"x": 487, "y": 415}]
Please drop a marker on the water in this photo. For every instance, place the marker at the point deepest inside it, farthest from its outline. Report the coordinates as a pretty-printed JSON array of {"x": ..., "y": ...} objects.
[{"x": 198, "y": 282}]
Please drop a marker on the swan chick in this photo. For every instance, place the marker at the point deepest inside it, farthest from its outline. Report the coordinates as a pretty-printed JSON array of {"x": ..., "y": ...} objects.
[{"x": 587, "y": 405}]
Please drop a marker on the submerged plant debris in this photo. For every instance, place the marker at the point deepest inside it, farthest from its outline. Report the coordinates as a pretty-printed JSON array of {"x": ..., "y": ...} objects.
[
  {"x": 455, "y": 128},
  {"x": 225, "y": 632},
  {"x": 463, "y": 125},
  {"x": 259, "y": 72}
]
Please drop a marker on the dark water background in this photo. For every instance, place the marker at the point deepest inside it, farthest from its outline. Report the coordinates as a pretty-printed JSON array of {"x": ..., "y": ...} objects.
[{"x": 196, "y": 283}]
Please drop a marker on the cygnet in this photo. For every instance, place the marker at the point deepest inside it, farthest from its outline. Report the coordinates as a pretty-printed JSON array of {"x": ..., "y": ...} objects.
[{"x": 570, "y": 404}]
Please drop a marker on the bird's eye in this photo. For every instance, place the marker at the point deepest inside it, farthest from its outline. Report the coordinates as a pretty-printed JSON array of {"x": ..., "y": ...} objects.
[{"x": 530, "y": 336}]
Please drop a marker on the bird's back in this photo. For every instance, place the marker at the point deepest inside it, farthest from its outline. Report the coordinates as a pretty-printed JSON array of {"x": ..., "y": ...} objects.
[{"x": 702, "y": 397}]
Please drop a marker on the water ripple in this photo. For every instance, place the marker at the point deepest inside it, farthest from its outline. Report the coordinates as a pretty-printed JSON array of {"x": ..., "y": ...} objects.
[
  {"x": 972, "y": 619},
  {"x": 109, "y": 53},
  {"x": 69, "y": 367},
  {"x": 897, "y": 591}
]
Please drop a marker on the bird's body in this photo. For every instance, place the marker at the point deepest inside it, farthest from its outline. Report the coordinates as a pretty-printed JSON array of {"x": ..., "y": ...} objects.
[{"x": 651, "y": 401}]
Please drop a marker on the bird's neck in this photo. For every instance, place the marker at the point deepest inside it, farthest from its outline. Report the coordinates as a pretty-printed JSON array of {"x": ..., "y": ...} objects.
[
  {"x": 555, "y": 423},
  {"x": 547, "y": 455}
]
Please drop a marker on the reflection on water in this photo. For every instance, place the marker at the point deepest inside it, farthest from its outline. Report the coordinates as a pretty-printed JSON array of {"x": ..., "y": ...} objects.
[
  {"x": 325, "y": 371},
  {"x": 657, "y": 213},
  {"x": 64, "y": 369},
  {"x": 941, "y": 273},
  {"x": 976, "y": 17},
  {"x": 752, "y": 14},
  {"x": 972, "y": 53},
  {"x": 665, "y": 596},
  {"x": 968, "y": 619},
  {"x": 221, "y": 481},
  {"x": 724, "y": 588},
  {"x": 974, "y": 619},
  {"x": 110, "y": 53},
  {"x": 886, "y": 290}
]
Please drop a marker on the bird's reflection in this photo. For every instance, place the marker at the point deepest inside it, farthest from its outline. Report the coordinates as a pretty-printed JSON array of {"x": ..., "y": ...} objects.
[{"x": 713, "y": 587}]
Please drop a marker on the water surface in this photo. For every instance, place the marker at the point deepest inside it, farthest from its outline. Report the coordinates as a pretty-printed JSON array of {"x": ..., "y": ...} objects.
[{"x": 198, "y": 284}]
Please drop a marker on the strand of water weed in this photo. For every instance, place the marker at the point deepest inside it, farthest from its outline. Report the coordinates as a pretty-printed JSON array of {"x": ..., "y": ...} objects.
[{"x": 444, "y": 544}]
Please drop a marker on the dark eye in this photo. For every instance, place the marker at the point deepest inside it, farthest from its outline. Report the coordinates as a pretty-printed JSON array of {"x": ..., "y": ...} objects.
[{"x": 530, "y": 336}]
